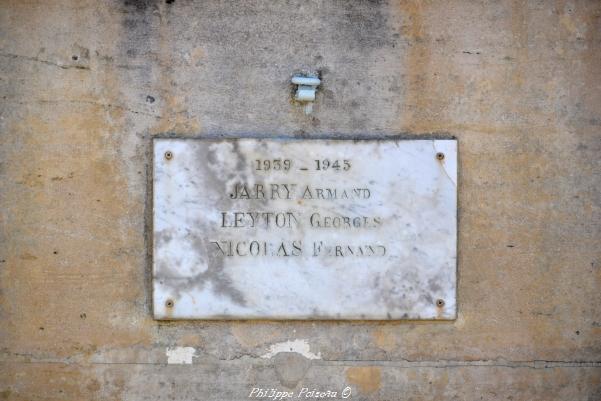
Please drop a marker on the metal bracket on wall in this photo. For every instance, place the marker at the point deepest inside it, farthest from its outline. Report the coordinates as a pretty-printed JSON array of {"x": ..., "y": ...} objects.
[{"x": 305, "y": 92}]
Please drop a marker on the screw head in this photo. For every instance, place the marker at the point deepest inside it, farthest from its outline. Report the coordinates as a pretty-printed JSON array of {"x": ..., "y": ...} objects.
[
  {"x": 169, "y": 303},
  {"x": 440, "y": 303},
  {"x": 168, "y": 155},
  {"x": 440, "y": 156}
]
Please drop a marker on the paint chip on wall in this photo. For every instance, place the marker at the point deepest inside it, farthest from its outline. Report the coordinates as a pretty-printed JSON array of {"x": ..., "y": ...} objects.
[
  {"x": 180, "y": 355},
  {"x": 299, "y": 346}
]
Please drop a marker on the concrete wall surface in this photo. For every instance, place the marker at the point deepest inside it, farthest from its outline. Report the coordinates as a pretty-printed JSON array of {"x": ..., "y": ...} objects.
[{"x": 86, "y": 84}]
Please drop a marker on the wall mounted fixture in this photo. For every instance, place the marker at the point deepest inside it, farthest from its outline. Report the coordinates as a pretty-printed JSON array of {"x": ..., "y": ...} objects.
[{"x": 305, "y": 91}]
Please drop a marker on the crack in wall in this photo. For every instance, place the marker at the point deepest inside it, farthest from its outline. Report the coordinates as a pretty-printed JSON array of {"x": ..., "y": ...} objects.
[
  {"x": 90, "y": 102},
  {"x": 204, "y": 359},
  {"x": 47, "y": 62}
]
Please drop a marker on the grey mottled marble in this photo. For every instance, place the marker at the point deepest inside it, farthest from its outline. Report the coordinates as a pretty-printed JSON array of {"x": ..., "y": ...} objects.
[{"x": 304, "y": 229}]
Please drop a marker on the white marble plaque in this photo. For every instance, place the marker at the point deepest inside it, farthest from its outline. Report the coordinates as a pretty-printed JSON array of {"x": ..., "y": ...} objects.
[{"x": 304, "y": 229}]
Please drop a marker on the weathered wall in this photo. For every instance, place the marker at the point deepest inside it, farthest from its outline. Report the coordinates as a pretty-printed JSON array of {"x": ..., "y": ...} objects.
[{"x": 85, "y": 85}]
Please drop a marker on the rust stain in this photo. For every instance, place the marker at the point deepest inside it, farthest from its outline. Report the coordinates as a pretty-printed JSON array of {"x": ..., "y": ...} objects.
[
  {"x": 93, "y": 386},
  {"x": 252, "y": 335},
  {"x": 384, "y": 339},
  {"x": 417, "y": 63},
  {"x": 190, "y": 340},
  {"x": 519, "y": 30},
  {"x": 27, "y": 256},
  {"x": 367, "y": 378},
  {"x": 175, "y": 114},
  {"x": 196, "y": 54},
  {"x": 440, "y": 386},
  {"x": 70, "y": 133}
]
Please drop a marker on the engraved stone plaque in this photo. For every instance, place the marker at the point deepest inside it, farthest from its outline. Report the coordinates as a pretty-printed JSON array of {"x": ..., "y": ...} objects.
[{"x": 304, "y": 229}]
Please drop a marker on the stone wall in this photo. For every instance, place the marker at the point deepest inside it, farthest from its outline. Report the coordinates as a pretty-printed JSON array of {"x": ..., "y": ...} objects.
[{"x": 85, "y": 86}]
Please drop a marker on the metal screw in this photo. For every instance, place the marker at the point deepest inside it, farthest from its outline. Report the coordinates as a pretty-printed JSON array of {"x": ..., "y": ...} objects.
[
  {"x": 440, "y": 156},
  {"x": 168, "y": 155},
  {"x": 440, "y": 303},
  {"x": 169, "y": 303}
]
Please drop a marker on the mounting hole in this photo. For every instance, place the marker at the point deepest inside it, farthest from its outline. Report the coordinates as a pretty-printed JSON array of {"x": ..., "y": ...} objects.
[
  {"x": 440, "y": 303},
  {"x": 169, "y": 303},
  {"x": 168, "y": 155},
  {"x": 440, "y": 156}
]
